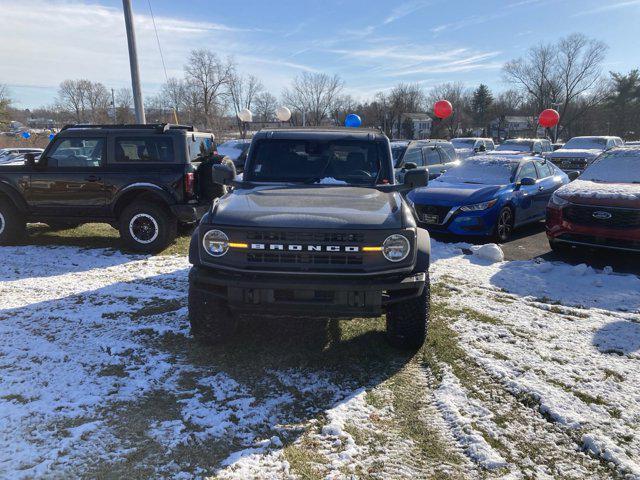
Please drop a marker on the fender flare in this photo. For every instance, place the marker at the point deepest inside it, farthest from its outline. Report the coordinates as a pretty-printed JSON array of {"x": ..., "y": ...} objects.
[
  {"x": 143, "y": 187},
  {"x": 14, "y": 195},
  {"x": 424, "y": 250}
]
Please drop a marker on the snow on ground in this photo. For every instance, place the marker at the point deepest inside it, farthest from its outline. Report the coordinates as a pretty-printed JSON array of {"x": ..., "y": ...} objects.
[{"x": 98, "y": 374}]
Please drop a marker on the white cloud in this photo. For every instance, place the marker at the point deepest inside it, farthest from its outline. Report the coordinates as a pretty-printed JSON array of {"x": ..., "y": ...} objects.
[
  {"x": 608, "y": 7},
  {"x": 53, "y": 41},
  {"x": 405, "y": 9}
]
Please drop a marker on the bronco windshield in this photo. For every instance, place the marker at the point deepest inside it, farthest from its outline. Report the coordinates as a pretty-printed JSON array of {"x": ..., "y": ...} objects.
[
  {"x": 335, "y": 162},
  {"x": 483, "y": 171}
]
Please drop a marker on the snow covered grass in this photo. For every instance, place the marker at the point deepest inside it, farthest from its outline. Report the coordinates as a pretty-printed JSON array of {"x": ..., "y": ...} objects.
[{"x": 530, "y": 370}]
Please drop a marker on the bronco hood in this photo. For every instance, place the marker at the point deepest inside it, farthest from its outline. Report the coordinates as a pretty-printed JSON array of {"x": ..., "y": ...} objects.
[
  {"x": 310, "y": 207},
  {"x": 453, "y": 194}
]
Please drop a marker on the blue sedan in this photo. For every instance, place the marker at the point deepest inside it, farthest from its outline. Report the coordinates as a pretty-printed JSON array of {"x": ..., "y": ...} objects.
[{"x": 487, "y": 196}]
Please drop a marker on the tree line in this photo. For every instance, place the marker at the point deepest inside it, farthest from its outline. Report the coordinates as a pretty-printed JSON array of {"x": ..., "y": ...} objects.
[{"x": 566, "y": 75}]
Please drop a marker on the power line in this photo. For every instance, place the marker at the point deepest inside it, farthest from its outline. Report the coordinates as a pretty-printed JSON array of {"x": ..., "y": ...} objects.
[{"x": 153, "y": 19}]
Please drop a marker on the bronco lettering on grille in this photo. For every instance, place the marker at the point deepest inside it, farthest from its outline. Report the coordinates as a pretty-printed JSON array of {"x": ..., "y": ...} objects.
[{"x": 306, "y": 248}]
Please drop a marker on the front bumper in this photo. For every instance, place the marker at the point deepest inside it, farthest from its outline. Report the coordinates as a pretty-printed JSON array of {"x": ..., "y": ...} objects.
[
  {"x": 560, "y": 230},
  {"x": 309, "y": 295}
]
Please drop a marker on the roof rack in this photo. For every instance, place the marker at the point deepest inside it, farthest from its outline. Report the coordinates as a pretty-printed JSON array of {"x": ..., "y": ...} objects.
[
  {"x": 158, "y": 127},
  {"x": 324, "y": 128}
]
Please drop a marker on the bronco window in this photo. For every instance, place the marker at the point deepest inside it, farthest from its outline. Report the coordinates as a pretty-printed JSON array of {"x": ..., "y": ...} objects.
[
  {"x": 76, "y": 153},
  {"x": 144, "y": 150},
  {"x": 317, "y": 161}
]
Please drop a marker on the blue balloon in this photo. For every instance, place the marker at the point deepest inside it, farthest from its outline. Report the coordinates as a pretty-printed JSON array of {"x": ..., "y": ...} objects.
[
  {"x": 51, "y": 136},
  {"x": 352, "y": 121},
  {"x": 26, "y": 135}
]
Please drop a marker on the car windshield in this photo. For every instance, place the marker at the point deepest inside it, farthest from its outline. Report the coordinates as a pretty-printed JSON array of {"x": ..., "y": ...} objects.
[
  {"x": 615, "y": 167},
  {"x": 516, "y": 145},
  {"x": 397, "y": 152},
  {"x": 484, "y": 171},
  {"x": 586, "y": 143},
  {"x": 337, "y": 162},
  {"x": 463, "y": 142}
]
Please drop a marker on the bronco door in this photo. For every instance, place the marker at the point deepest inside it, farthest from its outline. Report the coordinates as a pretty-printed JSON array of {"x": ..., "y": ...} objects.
[{"x": 68, "y": 178}]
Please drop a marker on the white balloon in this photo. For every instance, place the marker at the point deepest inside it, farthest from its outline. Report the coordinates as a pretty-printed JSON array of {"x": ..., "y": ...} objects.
[
  {"x": 283, "y": 114},
  {"x": 245, "y": 115}
]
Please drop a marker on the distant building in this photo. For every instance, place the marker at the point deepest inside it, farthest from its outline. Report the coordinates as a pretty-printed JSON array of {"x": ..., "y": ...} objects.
[
  {"x": 46, "y": 123},
  {"x": 514, "y": 126},
  {"x": 413, "y": 126}
]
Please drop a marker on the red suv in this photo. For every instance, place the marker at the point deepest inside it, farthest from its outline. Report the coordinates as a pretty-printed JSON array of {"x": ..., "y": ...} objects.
[{"x": 602, "y": 207}]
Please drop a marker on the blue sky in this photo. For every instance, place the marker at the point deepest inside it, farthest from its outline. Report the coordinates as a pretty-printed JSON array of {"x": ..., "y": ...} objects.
[{"x": 372, "y": 45}]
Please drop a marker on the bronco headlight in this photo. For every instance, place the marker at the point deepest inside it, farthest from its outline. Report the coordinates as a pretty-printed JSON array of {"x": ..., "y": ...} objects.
[
  {"x": 396, "y": 248},
  {"x": 477, "y": 207},
  {"x": 558, "y": 201},
  {"x": 215, "y": 243}
]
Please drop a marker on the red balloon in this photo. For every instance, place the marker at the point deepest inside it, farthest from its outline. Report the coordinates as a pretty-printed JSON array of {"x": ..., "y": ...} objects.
[
  {"x": 442, "y": 109},
  {"x": 549, "y": 118}
]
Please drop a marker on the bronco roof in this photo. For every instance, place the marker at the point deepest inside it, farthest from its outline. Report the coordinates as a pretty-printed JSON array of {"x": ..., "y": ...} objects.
[{"x": 321, "y": 133}]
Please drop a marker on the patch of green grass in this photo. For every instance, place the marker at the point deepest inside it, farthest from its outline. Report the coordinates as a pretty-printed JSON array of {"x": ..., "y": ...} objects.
[
  {"x": 92, "y": 235},
  {"x": 15, "y": 397},
  {"x": 304, "y": 460},
  {"x": 113, "y": 371},
  {"x": 156, "y": 307},
  {"x": 608, "y": 373}
]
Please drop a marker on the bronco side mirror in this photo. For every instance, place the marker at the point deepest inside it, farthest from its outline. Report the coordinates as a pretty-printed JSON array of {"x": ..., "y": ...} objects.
[
  {"x": 222, "y": 174},
  {"x": 416, "y": 178},
  {"x": 410, "y": 166}
]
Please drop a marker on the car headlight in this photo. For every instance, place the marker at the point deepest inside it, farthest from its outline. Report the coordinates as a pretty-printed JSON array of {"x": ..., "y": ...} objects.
[
  {"x": 476, "y": 207},
  {"x": 558, "y": 201},
  {"x": 396, "y": 248},
  {"x": 216, "y": 243}
]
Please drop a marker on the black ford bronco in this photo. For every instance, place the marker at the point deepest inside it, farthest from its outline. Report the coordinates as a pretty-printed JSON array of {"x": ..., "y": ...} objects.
[
  {"x": 139, "y": 178},
  {"x": 317, "y": 227}
]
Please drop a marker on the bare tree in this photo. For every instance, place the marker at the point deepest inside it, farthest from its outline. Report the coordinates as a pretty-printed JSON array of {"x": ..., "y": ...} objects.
[
  {"x": 72, "y": 98},
  {"x": 5, "y": 102},
  {"x": 404, "y": 98},
  {"x": 124, "y": 105},
  {"x": 209, "y": 76},
  {"x": 565, "y": 75},
  {"x": 98, "y": 99},
  {"x": 243, "y": 91},
  {"x": 265, "y": 106},
  {"x": 460, "y": 99},
  {"x": 314, "y": 95}
]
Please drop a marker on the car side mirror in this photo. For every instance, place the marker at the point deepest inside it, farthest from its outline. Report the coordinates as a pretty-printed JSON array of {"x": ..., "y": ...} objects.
[
  {"x": 410, "y": 166},
  {"x": 573, "y": 174},
  {"x": 222, "y": 174},
  {"x": 417, "y": 177},
  {"x": 527, "y": 181},
  {"x": 29, "y": 159}
]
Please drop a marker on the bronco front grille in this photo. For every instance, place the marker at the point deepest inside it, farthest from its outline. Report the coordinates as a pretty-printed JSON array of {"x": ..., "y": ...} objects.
[
  {"x": 589, "y": 215},
  {"x": 305, "y": 237},
  {"x": 293, "y": 258}
]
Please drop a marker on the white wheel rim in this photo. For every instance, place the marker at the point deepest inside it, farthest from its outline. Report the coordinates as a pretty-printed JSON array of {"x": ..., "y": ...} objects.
[
  {"x": 2, "y": 223},
  {"x": 140, "y": 222}
]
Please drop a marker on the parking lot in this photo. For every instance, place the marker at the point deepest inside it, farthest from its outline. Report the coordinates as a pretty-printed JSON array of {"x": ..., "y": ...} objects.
[{"x": 530, "y": 370}]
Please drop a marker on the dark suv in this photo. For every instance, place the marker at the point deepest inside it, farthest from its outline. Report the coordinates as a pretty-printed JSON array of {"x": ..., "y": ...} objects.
[
  {"x": 139, "y": 178},
  {"x": 317, "y": 227}
]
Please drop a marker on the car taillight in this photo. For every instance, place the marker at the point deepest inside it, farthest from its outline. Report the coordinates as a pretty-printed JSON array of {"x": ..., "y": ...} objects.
[{"x": 189, "y": 184}]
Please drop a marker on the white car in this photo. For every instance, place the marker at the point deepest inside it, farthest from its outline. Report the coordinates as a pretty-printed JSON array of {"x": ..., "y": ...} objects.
[
  {"x": 578, "y": 153},
  {"x": 10, "y": 155},
  {"x": 468, "y": 146},
  {"x": 236, "y": 150}
]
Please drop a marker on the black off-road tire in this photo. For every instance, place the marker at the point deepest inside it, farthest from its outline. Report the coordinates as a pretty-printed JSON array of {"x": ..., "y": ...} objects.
[
  {"x": 504, "y": 225},
  {"x": 408, "y": 321},
  {"x": 12, "y": 224},
  {"x": 211, "y": 320},
  {"x": 147, "y": 228}
]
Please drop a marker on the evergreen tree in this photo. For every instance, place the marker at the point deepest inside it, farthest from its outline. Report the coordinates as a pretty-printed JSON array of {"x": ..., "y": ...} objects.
[{"x": 480, "y": 104}]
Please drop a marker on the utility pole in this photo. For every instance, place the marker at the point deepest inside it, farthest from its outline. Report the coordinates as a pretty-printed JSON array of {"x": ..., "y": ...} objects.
[
  {"x": 113, "y": 104},
  {"x": 133, "y": 61}
]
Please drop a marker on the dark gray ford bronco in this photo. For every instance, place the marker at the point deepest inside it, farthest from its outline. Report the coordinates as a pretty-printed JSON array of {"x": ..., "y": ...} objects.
[{"x": 317, "y": 227}]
